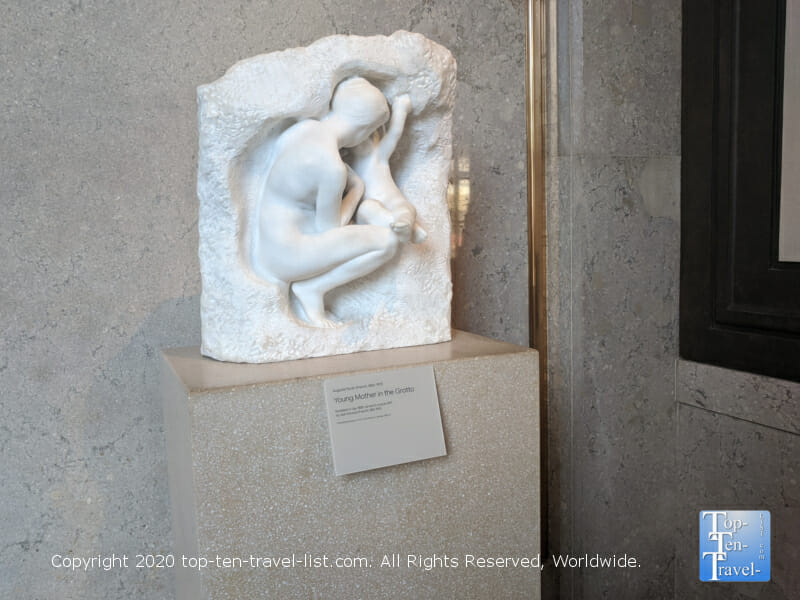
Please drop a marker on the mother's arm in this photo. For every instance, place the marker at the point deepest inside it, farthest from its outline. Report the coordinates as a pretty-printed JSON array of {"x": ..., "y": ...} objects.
[
  {"x": 355, "y": 191},
  {"x": 331, "y": 186}
]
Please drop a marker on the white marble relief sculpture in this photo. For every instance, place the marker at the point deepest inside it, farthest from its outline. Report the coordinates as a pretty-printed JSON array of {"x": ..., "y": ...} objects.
[{"x": 322, "y": 182}]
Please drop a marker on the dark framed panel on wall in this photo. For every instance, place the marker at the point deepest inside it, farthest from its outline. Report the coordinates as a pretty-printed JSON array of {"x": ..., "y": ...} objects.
[{"x": 740, "y": 296}]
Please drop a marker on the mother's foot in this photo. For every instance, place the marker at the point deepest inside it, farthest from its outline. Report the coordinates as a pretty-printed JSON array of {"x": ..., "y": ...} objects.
[{"x": 311, "y": 301}]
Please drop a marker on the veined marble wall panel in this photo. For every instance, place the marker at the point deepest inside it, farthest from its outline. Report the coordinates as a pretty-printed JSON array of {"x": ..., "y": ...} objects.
[
  {"x": 624, "y": 281},
  {"x": 628, "y": 99},
  {"x": 559, "y": 365},
  {"x": 725, "y": 462},
  {"x": 99, "y": 269},
  {"x": 764, "y": 400},
  {"x": 613, "y": 198}
]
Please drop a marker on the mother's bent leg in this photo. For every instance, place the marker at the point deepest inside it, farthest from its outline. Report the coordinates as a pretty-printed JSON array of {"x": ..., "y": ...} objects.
[{"x": 348, "y": 253}]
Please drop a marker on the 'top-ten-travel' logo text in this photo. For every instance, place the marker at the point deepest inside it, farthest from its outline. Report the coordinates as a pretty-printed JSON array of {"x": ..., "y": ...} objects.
[{"x": 734, "y": 545}]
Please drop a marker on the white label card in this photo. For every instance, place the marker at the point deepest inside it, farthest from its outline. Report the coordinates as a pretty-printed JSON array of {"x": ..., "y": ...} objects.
[{"x": 383, "y": 419}]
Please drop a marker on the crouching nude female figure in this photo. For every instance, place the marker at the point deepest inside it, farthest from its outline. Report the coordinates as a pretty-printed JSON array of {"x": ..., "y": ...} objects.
[{"x": 302, "y": 233}]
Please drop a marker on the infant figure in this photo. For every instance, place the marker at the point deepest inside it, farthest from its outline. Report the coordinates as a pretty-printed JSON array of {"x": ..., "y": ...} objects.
[{"x": 384, "y": 204}]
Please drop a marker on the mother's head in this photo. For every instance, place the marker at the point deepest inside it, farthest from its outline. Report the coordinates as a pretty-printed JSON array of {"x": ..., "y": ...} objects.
[{"x": 360, "y": 107}]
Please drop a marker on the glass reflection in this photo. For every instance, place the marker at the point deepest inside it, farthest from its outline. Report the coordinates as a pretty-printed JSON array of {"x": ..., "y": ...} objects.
[{"x": 458, "y": 190}]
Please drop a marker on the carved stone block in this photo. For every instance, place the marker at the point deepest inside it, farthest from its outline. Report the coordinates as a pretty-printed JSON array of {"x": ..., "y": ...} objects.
[{"x": 260, "y": 264}]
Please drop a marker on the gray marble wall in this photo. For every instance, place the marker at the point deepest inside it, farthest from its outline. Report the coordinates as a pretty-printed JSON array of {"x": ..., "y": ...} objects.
[
  {"x": 738, "y": 446},
  {"x": 99, "y": 268},
  {"x": 640, "y": 441},
  {"x": 613, "y": 169}
]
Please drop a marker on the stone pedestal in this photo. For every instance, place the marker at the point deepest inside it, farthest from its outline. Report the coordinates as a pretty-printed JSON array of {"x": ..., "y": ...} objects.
[{"x": 252, "y": 482}]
